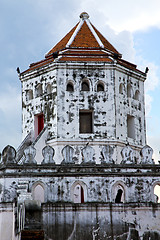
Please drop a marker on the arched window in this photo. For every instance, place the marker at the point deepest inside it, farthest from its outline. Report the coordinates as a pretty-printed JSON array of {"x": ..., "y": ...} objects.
[
  {"x": 119, "y": 194},
  {"x": 49, "y": 89},
  {"x": 78, "y": 194},
  {"x": 136, "y": 96},
  {"x": 129, "y": 90},
  {"x": 70, "y": 87},
  {"x": 100, "y": 87},
  {"x": 38, "y": 192},
  {"x": 85, "y": 86},
  {"x": 121, "y": 88},
  {"x": 38, "y": 90}
]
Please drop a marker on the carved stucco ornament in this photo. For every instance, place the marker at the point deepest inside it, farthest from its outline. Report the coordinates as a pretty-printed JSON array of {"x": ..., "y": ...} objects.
[
  {"x": 8, "y": 155},
  {"x": 146, "y": 154},
  {"x": 127, "y": 155},
  {"x": 88, "y": 155},
  {"x": 48, "y": 154},
  {"x": 107, "y": 153},
  {"x": 30, "y": 153},
  {"x": 67, "y": 153}
]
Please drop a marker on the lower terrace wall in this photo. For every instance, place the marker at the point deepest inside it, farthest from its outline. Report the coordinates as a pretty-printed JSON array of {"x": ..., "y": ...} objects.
[{"x": 101, "y": 221}]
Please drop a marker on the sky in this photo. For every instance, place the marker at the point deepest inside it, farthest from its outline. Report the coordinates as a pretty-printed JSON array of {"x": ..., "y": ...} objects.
[{"x": 29, "y": 29}]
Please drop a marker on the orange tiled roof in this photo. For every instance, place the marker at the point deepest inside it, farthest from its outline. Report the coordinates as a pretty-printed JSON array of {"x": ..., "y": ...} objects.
[
  {"x": 83, "y": 35},
  {"x": 83, "y": 43},
  {"x": 84, "y": 38},
  {"x": 84, "y": 59}
]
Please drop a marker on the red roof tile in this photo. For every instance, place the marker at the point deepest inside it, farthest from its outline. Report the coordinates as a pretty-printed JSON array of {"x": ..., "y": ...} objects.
[
  {"x": 83, "y": 43},
  {"x": 84, "y": 38},
  {"x": 84, "y": 59}
]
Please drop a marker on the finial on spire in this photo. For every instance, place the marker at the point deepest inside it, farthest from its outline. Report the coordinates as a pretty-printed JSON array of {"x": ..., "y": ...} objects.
[{"x": 84, "y": 15}]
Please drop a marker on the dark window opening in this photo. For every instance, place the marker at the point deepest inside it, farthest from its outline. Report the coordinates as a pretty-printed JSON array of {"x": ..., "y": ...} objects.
[
  {"x": 100, "y": 87},
  {"x": 70, "y": 87},
  {"x": 85, "y": 122},
  {"x": 119, "y": 196},
  {"x": 82, "y": 195},
  {"x": 85, "y": 86},
  {"x": 39, "y": 124}
]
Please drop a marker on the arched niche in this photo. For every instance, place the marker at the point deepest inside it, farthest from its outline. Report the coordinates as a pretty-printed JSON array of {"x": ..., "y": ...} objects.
[
  {"x": 100, "y": 87},
  {"x": 118, "y": 192},
  {"x": 70, "y": 87},
  {"x": 29, "y": 94},
  {"x": 38, "y": 90},
  {"x": 85, "y": 85},
  {"x": 137, "y": 95},
  {"x": 49, "y": 88},
  {"x": 79, "y": 192},
  {"x": 38, "y": 192},
  {"x": 129, "y": 90},
  {"x": 121, "y": 88}
]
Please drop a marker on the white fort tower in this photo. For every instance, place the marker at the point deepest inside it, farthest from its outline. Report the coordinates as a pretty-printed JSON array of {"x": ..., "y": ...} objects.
[
  {"x": 83, "y": 170},
  {"x": 83, "y": 92}
]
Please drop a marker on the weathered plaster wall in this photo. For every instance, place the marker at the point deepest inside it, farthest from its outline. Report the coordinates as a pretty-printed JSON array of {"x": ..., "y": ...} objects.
[
  {"x": 6, "y": 221},
  {"x": 110, "y": 107},
  {"x": 105, "y": 222},
  {"x": 58, "y": 183},
  {"x": 130, "y": 101},
  {"x": 42, "y": 102}
]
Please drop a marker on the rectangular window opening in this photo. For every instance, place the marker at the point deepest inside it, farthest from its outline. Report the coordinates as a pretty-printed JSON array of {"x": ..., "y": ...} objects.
[
  {"x": 86, "y": 122},
  {"x": 38, "y": 124}
]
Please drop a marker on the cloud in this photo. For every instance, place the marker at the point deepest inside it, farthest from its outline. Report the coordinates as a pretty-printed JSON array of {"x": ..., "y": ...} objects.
[
  {"x": 154, "y": 142},
  {"x": 152, "y": 80},
  {"x": 125, "y": 15},
  {"x": 30, "y": 28},
  {"x": 10, "y": 120}
]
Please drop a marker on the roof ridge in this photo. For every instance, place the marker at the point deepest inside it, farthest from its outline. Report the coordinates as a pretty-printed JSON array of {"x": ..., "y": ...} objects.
[
  {"x": 74, "y": 33},
  {"x": 94, "y": 33}
]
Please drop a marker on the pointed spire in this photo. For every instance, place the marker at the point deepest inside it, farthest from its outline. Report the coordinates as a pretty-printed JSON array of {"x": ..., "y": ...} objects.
[{"x": 83, "y": 35}]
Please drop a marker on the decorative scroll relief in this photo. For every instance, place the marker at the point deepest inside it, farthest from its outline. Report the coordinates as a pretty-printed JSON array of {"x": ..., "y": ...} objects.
[
  {"x": 48, "y": 154},
  {"x": 30, "y": 153},
  {"x": 8, "y": 155},
  {"x": 146, "y": 154},
  {"x": 67, "y": 153},
  {"x": 107, "y": 153},
  {"x": 88, "y": 153},
  {"x": 127, "y": 155}
]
